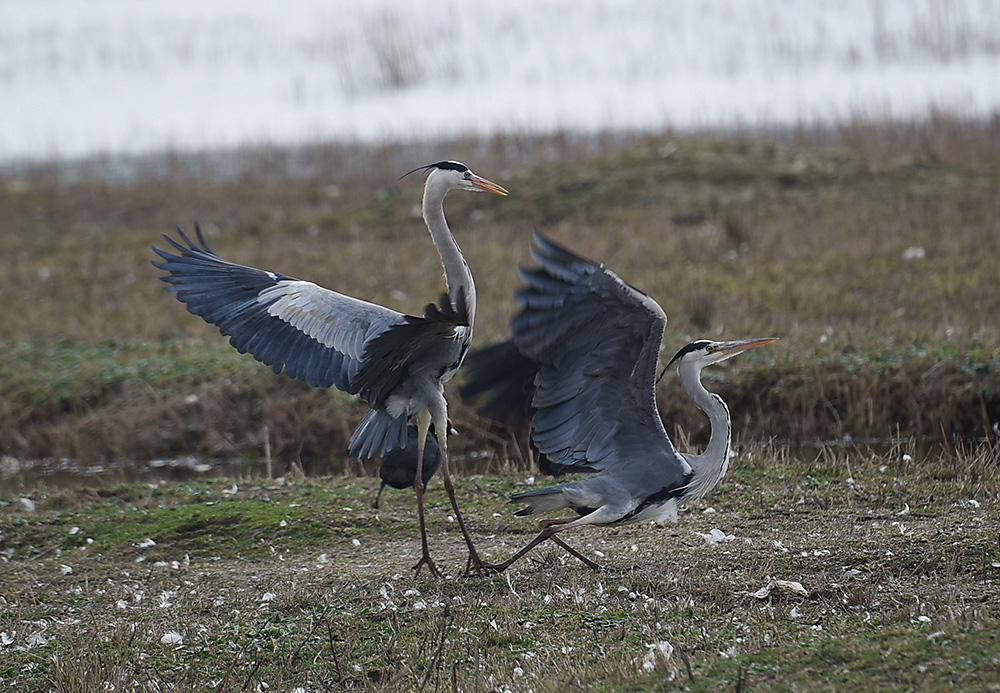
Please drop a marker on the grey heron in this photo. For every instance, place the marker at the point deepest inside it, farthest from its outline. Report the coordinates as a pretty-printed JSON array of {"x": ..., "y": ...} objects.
[
  {"x": 397, "y": 363},
  {"x": 596, "y": 340}
]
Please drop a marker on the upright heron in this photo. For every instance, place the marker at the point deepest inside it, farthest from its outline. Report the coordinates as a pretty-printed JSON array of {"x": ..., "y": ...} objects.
[
  {"x": 596, "y": 340},
  {"x": 397, "y": 363}
]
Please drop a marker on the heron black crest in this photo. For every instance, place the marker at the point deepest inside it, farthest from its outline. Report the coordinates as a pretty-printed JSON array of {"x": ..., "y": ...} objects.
[
  {"x": 445, "y": 165},
  {"x": 686, "y": 349}
]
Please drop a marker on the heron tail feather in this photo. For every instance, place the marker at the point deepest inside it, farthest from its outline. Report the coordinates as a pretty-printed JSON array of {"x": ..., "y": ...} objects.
[
  {"x": 541, "y": 500},
  {"x": 377, "y": 434}
]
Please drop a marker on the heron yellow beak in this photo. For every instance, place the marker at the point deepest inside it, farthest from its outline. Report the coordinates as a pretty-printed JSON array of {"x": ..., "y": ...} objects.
[
  {"x": 488, "y": 186},
  {"x": 740, "y": 345}
]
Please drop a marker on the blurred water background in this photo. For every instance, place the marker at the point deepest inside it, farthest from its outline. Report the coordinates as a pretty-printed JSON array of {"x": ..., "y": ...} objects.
[{"x": 118, "y": 78}]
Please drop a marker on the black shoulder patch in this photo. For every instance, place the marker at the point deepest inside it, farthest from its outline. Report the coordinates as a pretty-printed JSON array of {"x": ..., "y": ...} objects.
[
  {"x": 658, "y": 498},
  {"x": 389, "y": 358}
]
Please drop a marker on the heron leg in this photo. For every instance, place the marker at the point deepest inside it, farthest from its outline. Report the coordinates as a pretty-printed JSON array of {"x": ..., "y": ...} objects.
[
  {"x": 423, "y": 424},
  {"x": 474, "y": 564},
  {"x": 589, "y": 563},
  {"x": 549, "y": 527},
  {"x": 378, "y": 496}
]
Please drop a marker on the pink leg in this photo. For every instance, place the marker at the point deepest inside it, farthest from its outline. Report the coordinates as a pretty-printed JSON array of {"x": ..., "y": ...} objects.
[
  {"x": 418, "y": 486},
  {"x": 549, "y": 529}
]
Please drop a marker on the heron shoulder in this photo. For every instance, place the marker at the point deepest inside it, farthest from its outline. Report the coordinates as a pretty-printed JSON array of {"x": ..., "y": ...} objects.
[{"x": 431, "y": 345}]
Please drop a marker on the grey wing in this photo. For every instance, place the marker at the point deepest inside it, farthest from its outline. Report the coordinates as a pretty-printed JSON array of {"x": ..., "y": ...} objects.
[
  {"x": 426, "y": 348},
  {"x": 313, "y": 334},
  {"x": 501, "y": 381},
  {"x": 596, "y": 339}
]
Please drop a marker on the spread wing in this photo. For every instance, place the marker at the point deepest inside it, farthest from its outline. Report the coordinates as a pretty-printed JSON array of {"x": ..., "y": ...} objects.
[
  {"x": 596, "y": 339},
  {"x": 313, "y": 334},
  {"x": 500, "y": 380}
]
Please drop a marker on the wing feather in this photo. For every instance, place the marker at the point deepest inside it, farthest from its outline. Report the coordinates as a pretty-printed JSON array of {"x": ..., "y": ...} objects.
[
  {"x": 597, "y": 340},
  {"x": 501, "y": 380},
  {"x": 311, "y": 333},
  {"x": 438, "y": 340}
]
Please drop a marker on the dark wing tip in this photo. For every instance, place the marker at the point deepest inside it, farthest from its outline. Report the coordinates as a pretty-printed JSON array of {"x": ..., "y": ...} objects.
[
  {"x": 184, "y": 249},
  {"x": 543, "y": 247},
  {"x": 456, "y": 313}
]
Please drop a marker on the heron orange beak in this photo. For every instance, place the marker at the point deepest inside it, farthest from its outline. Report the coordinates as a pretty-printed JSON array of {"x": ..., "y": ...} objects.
[
  {"x": 488, "y": 186},
  {"x": 740, "y": 345}
]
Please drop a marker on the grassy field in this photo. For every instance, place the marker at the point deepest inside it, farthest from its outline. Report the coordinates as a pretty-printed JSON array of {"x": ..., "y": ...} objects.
[
  {"x": 872, "y": 252},
  {"x": 242, "y": 584}
]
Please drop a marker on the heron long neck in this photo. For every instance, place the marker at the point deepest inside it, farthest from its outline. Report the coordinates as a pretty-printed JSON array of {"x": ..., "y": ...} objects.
[
  {"x": 456, "y": 270},
  {"x": 710, "y": 465}
]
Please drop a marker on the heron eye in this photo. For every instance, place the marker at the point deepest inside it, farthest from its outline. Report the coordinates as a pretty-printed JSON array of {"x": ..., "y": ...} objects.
[{"x": 468, "y": 175}]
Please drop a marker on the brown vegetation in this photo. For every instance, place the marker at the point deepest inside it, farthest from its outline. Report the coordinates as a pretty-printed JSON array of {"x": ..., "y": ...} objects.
[{"x": 873, "y": 252}]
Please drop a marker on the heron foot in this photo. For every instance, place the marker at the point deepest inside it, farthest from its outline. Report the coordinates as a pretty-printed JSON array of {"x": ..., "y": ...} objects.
[
  {"x": 426, "y": 560},
  {"x": 476, "y": 566}
]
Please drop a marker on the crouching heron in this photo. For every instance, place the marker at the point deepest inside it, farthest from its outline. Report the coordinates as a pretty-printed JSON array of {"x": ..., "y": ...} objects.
[{"x": 595, "y": 341}]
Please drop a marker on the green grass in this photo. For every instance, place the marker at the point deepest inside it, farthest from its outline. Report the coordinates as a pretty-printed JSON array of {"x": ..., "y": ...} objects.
[
  {"x": 301, "y": 583},
  {"x": 938, "y": 661},
  {"x": 61, "y": 373}
]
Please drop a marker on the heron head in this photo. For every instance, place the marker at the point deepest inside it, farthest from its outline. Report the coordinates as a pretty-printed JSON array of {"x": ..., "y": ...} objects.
[
  {"x": 456, "y": 175},
  {"x": 705, "y": 352}
]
